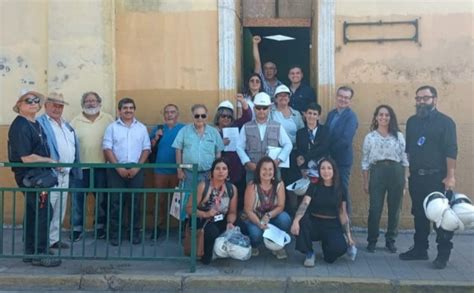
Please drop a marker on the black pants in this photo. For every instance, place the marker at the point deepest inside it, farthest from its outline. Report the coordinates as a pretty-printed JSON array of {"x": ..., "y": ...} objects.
[
  {"x": 118, "y": 200},
  {"x": 36, "y": 214},
  {"x": 420, "y": 187},
  {"x": 328, "y": 231}
]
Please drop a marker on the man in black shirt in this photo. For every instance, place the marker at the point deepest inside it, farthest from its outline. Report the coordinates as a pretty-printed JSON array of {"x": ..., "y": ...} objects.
[
  {"x": 27, "y": 143},
  {"x": 432, "y": 150}
]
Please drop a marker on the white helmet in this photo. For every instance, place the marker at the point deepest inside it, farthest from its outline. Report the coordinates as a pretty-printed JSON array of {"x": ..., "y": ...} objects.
[
  {"x": 271, "y": 245},
  {"x": 281, "y": 89},
  {"x": 299, "y": 187},
  {"x": 280, "y": 235},
  {"x": 226, "y": 104},
  {"x": 435, "y": 204},
  {"x": 462, "y": 206},
  {"x": 220, "y": 247},
  {"x": 450, "y": 221},
  {"x": 239, "y": 252}
]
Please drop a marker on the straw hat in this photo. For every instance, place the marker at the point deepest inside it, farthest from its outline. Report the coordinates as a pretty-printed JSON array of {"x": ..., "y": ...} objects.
[
  {"x": 23, "y": 94},
  {"x": 56, "y": 98}
]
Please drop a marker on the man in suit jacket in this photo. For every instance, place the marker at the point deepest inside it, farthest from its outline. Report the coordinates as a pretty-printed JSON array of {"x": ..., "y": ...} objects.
[{"x": 342, "y": 123}]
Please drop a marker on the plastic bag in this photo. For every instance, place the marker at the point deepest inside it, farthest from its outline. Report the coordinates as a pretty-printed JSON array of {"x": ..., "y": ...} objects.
[{"x": 232, "y": 243}]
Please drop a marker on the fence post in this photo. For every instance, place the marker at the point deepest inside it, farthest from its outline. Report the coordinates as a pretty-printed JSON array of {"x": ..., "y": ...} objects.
[
  {"x": 1, "y": 221},
  {"x": 193, "y": 218}
]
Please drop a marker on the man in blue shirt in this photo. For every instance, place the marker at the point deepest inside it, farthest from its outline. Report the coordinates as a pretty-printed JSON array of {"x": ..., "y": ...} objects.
[
  {"x": 164, "y": 135},
  {"x": 301, "y": 94},
  {"x": 342, "y": 123}
]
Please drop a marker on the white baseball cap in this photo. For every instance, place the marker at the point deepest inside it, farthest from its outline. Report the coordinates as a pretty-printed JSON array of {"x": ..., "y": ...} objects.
[{"x": 262, "y": 99}]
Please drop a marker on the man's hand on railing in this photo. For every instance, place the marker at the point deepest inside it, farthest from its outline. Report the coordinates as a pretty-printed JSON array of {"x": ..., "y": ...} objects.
[
  {"x": 132, "y": 172},
  {"x": 122, "y": 172}
]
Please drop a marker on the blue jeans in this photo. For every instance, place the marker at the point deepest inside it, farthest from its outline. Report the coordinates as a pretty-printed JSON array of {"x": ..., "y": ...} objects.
[
  {"x": 345, "y": 175},
  {"x": 282, "y": 221},
  {"x": 78, "y": 199}
]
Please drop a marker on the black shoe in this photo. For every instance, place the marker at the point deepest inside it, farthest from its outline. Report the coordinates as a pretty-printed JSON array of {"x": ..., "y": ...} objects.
[
  {"x": 46, "y": 262},
  {"x": 391, "y": 247},
  {"x": 439, "y": 263},
  {"x": 114, "y": 241},
  {"x": 157, "y": 234},
  {"x": 100, "y": 234},
  {"x": 30, "y": 259},
  {"x": 59, "y": 245},
  {"x": 76, "y": 236},
  {"x": 371, "y": 247},
  {"x": 414, "y": 254}
]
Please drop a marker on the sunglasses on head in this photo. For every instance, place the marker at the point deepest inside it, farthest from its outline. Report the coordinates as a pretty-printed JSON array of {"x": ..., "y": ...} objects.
[
  {"x": 202, "y": 116},
  {"x": 32, "y": 100},
  {"x": 261, "y": 108}
]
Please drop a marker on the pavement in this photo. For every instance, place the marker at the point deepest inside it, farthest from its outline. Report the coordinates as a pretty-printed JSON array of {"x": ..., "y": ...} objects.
[{"x": 370, "y": 272}]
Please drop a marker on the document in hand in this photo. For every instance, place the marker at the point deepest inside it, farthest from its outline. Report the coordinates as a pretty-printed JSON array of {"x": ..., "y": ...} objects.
[
  {"x": 273, "y": 153},
  {"x": 232, "y": 133}
]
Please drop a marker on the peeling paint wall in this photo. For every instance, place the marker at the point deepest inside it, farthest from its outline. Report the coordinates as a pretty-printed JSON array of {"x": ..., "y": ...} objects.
[{"x": 391, "y": 72}]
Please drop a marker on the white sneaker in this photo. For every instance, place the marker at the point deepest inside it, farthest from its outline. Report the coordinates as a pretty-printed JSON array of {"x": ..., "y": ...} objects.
[
  {"x": 309, "y": 261},
  {"x": 280, "y": 254}
]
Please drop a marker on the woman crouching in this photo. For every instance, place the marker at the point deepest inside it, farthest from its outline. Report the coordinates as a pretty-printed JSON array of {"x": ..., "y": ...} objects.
[{"x": 326, "y": 220}]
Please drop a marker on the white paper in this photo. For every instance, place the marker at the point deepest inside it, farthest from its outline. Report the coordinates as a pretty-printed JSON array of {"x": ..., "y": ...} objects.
[
  {"x": 273, "y": 153},
  {"x": 231, "y": 133},
  {"x": 276, "y": 235}
]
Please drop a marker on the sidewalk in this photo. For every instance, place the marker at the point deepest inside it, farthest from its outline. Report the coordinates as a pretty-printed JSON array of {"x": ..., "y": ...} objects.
[{"x": 378, "y": 272}]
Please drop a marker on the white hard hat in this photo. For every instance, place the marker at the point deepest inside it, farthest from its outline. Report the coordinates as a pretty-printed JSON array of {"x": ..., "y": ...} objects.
[
  {"x": 271, "y": 245},
  {"x": 462, "y": 206},
  {"x": 450, "y": 221},
  {"x": 226, "y": 104},
  {"x": 281, "y": 236},
  {"x": 238, "y": 252},
  {"x": 220, "y": 247},
  {"x": 282, "y": 89},
  {"x": 299, "y": 187},
  {"x": 262, "y": 99},
  {"x": 435, "y": 204}
]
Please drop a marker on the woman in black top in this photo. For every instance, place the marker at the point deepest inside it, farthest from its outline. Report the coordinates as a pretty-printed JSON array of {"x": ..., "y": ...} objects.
[{"x": 326, "y": 219}]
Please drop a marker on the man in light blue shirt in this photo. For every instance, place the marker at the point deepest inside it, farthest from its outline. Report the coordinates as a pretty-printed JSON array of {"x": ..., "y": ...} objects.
[
  {"x": 125, "y": 141},
  {"x": 197, "y": 143}
]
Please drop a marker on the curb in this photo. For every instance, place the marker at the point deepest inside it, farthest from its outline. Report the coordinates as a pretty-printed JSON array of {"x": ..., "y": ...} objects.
[{"x": 210, "y": 283}]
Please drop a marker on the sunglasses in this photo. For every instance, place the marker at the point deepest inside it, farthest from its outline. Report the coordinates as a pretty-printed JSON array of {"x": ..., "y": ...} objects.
[
  {"x": 225, "y": 116},
  {"x": 30, "y": 101},
  {"x": 260, "y": 108},
  {"x": 202, "y": 116}
]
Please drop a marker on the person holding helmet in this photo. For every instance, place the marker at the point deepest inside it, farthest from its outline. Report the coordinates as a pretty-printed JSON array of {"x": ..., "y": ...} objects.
[
  {"x": 322, "y": 216},
  {"x": 259, "y": 134},
  {"x": 432, "y": 150},
  {"x": 225, "y": 118}
]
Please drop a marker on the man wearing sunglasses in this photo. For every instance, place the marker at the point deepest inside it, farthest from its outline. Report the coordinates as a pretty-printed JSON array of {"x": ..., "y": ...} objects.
[
  {"x": 257, "y": 135},
  {"x": 431, "y": 146},
  {"x": 197, "y": 143}
]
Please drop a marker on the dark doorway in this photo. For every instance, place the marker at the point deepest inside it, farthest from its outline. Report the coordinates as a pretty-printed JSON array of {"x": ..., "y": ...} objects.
[{"x": 283, "y": 53}]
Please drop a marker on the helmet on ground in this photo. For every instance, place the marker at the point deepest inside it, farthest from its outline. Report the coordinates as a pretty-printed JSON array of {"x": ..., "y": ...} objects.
[
  {"x": 226, "y": 104},
  {"x": 220, "y": 247},
  {"x": 239, "y": 252},
  {"x": 435, "y": 204},
  {"x": 278, "y": 235},
  {"x": 271, "y": 245},
  {"x": 299, "y": 187},
  {"x": 462, "y": 206},
  {"x": 450, "y": 221}
]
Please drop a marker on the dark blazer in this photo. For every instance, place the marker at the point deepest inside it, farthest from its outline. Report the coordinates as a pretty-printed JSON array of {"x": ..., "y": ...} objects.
[
  {"x": 312, "y": 150},
  {"x": 342, "y": 135}
]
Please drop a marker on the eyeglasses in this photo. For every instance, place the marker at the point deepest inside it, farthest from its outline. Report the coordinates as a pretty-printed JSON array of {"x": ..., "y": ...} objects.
[
  {"x": 255, "y": 80},
  {"x": 424, "y": 98},
  {"x": 30, "y": 101},
  {"x": 344, "y": 97},
  {"x": 202, "y": 116},
  {"x": 261, "y": 108},
  {"x": 226, "y": 116}
]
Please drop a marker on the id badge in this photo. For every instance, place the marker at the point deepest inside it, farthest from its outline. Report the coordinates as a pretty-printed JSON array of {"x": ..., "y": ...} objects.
[{"x": 218, "y": 217}]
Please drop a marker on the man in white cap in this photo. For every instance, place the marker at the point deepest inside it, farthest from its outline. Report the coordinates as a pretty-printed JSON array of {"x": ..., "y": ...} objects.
[
  {"x": 257, "y": 135},
  {"x": 64, "y": 148}
]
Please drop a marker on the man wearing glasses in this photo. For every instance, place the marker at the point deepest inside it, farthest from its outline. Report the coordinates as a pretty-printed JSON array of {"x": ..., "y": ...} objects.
[
  {"x": 257, "y": 135},
  {"x": 342, "y": 123},
  {"x": 197, "y": 143},
  {"x": 431, "y": 146}
]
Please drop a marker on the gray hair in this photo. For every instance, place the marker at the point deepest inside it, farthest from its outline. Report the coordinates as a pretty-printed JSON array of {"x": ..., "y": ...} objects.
[
  {"x": 84, "y": 96},
  {"x": 197, "y": 106}
]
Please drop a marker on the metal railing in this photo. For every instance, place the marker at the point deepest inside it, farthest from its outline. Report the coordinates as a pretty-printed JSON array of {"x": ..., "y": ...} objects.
[{"x": 168, "y": 246}]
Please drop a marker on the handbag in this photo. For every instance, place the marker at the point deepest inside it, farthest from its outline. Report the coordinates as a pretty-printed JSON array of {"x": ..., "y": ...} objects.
[
  {"x": 199, "y": 240},
  {"x": 40, "y": 178}
]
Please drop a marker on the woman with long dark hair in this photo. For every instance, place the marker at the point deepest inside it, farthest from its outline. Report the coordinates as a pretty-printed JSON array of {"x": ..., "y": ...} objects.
[
  {"x": 322, "y": 216},
  {"x": 384, "y": 158},
  {"x": 254, "y": 86}
]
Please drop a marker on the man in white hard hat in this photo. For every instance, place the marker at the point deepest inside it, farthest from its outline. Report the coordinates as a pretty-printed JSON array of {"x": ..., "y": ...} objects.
[{"x": 257, "y": 135}]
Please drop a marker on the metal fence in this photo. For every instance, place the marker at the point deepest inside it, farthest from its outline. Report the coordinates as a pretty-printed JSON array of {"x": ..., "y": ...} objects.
[{"x": 149, "y": 245}]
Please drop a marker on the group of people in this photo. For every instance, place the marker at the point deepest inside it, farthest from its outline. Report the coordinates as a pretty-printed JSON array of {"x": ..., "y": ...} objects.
[{"x": 242, "y": 182}]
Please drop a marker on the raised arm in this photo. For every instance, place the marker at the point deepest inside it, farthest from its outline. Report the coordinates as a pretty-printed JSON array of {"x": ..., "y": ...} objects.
[{"x": 256, "y": 54}]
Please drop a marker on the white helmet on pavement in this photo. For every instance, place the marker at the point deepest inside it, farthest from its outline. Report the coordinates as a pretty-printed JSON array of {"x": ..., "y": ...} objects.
[
  {"x": 299, "y": 187},
  {"x": 450, "y": 221},
  {"x": 276, "y": 235},
  {"x": 435, "y": 204},
  {"x": 462, "y": 206}
]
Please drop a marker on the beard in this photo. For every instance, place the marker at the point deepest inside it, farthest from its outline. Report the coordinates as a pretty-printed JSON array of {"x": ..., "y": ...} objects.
[
  {"x": 423, "y": 110},
  {"x": 91, "y": 111}
]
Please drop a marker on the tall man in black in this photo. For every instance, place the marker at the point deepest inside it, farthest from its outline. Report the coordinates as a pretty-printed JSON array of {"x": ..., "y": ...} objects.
[{"x": 432, "y": 150}]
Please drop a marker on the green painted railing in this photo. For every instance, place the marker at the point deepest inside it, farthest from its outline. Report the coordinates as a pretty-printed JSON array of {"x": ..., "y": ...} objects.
[{"x": 166, "y": 247}]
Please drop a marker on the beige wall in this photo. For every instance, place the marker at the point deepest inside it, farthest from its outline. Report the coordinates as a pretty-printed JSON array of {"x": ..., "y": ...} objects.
[{"x": 390, "y": 73}]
